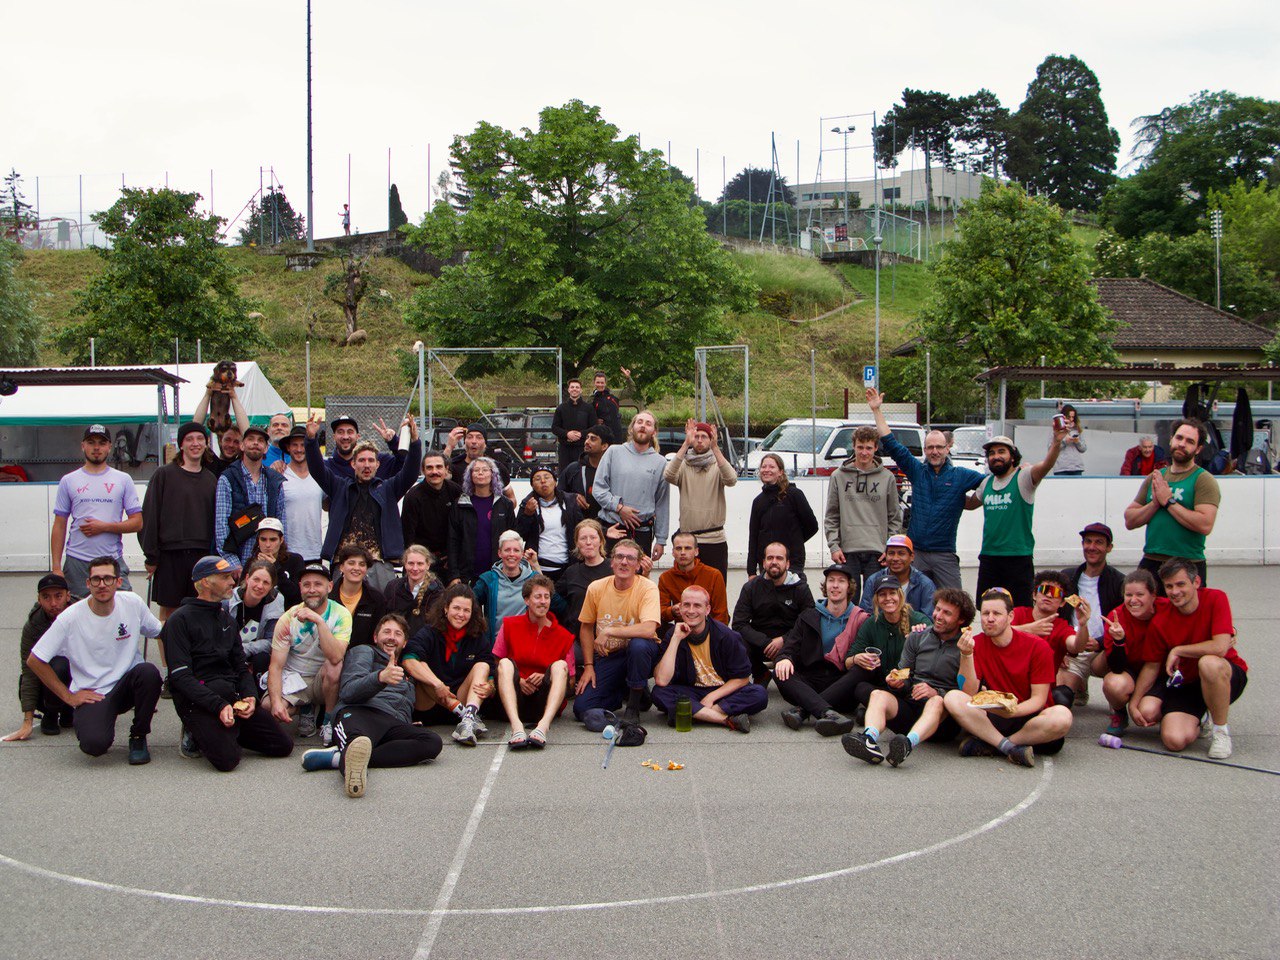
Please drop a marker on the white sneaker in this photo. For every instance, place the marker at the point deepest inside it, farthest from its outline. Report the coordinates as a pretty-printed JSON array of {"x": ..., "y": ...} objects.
[
  {"x": 1206, "y": 728},
  {"x": 1220, "y": 746},
  {"x": 465, "y": 732},
  {"x": 326, "y": 734}
]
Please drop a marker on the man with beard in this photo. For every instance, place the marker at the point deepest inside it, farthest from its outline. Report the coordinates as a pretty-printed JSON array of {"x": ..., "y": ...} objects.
[
  {"x": 213, "y": 688},
  {"x": 346, "y": 434},
  {"x": 1177, "y": 504},
  {"x": 304, "y": 501},
  {"x": 938, "y": 491},
  {"x": 475, "y": 446},
  {"x": 630, "y": 489},
  {"x": 177, "y": 519},
  {"x": 424, "y": 512},
  {"x": 862, "y": 509},
  {"x": 87, "y": 512},
  {"x": 240, "y": 485},
  {"x": 899, "y": 554},
  {"x": 701, "y": 473},
  {"x": 570, "y": 423},
  {"x": 52, "y": 597},
  {"x": 767, "y": 609},
  {"x": 578, "y": 478},
  {"x": 1007, "y": 499}
]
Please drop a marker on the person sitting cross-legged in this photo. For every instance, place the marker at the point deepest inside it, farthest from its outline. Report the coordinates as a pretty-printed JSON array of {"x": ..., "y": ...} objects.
[
  {"x": 375, "y": 713},
  {"x": 912, "y": 708},
  {"x": 535, "y": 662},
  {"x": 706, "y": 662}
]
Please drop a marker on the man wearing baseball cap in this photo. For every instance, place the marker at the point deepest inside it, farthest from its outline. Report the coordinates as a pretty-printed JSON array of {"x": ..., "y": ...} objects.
[
  {"x": 899, "y": 554},
  {"x": 246, "y": 493},
  {"x": 701, "y": 473},
  {"x": 1007, "y": 499},
  {"x": 87, "y": 513},
  {"x": 346, "y": 434},
  {"x": 1102, "y": 587},
  {"x": 52, "y": 597}
]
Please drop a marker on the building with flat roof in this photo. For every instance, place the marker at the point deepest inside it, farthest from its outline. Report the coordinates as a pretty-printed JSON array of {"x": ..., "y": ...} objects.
[{"x": 905, "y": 188}]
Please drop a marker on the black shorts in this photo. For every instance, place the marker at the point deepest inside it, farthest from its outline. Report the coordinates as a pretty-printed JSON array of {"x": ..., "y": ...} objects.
[
  {"x": 1189, "y": 698},
  {"x": 171, "y": 583},
  {"x": 1008, "y": 726},
  {"x": 530, "y": 706},
  {"x": 910, "y": 711}
]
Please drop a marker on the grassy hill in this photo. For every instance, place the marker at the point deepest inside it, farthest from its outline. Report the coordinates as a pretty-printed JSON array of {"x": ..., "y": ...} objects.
[{"x": 798, "y": 312}]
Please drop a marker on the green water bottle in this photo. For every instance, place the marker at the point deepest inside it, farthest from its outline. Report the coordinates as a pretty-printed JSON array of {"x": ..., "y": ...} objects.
[{"x": 684, "y": 715}]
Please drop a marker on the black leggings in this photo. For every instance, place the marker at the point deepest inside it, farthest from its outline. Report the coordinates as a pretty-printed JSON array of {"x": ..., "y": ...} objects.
[
  {"x": 395, "y": 743},
  {"x": 1015, "y": 574},
  {"x": 819, "y": 688},
  {"x": 138, "y": 690},
  {"x": 224, "y": 746}
]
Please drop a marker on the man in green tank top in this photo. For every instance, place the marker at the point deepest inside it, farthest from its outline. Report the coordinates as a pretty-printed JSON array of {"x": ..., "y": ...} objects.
[
  {"x": 1007, "y": 499},
  {"x": 1177, "y": 504}
]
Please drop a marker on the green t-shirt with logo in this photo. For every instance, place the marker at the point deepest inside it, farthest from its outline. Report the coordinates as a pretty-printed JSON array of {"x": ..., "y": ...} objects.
[
  {"x": 1166, "y": 537},
  {"x": 1007, "y": 509}
]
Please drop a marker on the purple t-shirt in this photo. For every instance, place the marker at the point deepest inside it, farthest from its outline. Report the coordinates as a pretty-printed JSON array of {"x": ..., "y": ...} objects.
[
  {"x": 484, "y": 533},
  {"x": 108, "y": 496}
]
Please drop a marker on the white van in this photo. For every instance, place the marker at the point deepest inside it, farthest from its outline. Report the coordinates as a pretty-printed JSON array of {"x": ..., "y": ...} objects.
[{"x": 816, "y": 447}]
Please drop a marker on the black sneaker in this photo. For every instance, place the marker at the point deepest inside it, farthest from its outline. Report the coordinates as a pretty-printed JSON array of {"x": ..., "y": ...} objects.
[
  {"x": 973, "y": 747},
  {"x": 1022, "y": 756},
  {"x": 188, "y": 747},
  {"x": 67, "y": 719},
  {"x": 138, "y": 752},
  {"x": 862, "y": 747},
  {"x": 899, "y": 749},
  {"x": 49, "y": 724},
  {"x": 831, "y": 724},
  {"x": 795, "y": 717},
  {"x": 740, "y": 722},
  {"x": 164, "y": 690}
]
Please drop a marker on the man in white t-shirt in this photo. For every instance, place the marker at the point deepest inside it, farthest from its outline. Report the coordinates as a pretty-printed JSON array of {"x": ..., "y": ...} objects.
[
  {"x": 306, "y": 654},
  {"x": 94, "y": 507},
  {"x": 303, "y": 498},
  {"x": 99, "y": 638},
  {"x": 1101, "y": 586}
]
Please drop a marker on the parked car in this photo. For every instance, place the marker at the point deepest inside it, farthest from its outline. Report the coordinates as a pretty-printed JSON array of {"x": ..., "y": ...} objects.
[
  {"x": 966, "y": 448},
  {"x": 816, "y": 447}
]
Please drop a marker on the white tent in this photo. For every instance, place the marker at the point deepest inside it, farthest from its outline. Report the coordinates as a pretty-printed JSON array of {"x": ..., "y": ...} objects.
[{"x": 80, "y": 405}]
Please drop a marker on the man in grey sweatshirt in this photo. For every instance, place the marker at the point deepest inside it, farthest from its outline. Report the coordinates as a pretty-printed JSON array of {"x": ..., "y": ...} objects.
[
  {"x": 630, "y": 488},
  {"x": 862, "y": 508}
]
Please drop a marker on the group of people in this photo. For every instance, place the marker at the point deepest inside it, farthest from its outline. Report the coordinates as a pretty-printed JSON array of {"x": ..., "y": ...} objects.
[{"x": 432, "y": 597}]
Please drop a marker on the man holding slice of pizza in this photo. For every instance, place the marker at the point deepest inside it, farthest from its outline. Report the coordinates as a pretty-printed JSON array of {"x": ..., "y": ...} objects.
[{"x": 1019, "y": 665}]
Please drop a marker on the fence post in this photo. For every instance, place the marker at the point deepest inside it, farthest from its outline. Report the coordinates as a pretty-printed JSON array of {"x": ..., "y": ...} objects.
[{"x": 422, "y": 397}]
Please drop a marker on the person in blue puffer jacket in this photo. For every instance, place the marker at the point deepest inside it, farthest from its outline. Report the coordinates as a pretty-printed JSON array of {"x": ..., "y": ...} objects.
[{"x": 938, "y": 491}]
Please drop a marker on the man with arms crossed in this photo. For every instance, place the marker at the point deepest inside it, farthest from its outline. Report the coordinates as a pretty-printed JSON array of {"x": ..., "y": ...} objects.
[{"x": 99, "y": 638}]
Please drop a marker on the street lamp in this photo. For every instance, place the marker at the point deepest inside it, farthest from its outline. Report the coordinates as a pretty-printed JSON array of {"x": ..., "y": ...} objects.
[
  {"x": 844, "y": 132},
  {"x": 1215, "y": 225}
]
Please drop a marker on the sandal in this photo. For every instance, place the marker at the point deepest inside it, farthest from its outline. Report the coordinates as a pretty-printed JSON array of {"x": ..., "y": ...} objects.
[
  {"x": 537, "y": 739},
  {"x": 518, "y": 741}
]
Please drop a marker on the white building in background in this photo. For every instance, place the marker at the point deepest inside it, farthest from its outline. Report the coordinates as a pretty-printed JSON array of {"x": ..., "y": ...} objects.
[{"x": 905, "y": 188}]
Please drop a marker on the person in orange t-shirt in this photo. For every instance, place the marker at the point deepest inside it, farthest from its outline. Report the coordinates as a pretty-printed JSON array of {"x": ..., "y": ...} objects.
[{"x": 689, "y": 571}]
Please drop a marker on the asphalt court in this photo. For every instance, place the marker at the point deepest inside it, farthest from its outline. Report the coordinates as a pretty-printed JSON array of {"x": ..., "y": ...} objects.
[{"x": 770, "y": 844}]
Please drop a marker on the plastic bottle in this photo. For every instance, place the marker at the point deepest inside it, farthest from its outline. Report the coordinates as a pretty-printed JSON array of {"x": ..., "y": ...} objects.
[
  {"x": 684, "y": 715},
  {"x": 1110, "y": 740}
]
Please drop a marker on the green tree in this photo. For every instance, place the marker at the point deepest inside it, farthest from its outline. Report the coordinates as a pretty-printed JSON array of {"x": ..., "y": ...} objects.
[
  {"x": 273, "y": 220},
  {"x": 752, "y": 183},
  {"x": 13, "y": 203},
  {"x": 925, "y": 120},
  {"x": 1251, "y": 224},
  {"x": 576, "y": 238},
  {"x": 19, "y": 324},
  {"x": 164, "y": 276},
  {"x": 982, "y": 135},
  {"x": 1068, "y": 148},
  {"x": 395, "y": 210},
  {"x": 1014, "y": 286}
]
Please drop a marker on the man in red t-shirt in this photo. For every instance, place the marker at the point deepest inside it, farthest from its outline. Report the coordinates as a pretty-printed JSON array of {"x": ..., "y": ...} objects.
[
  {"x": 1202, "y": 671},
  {"x": 1041, "y": 620},
  {"x": 1002, "y": 658},
  {"x": 535, "y": 662}
]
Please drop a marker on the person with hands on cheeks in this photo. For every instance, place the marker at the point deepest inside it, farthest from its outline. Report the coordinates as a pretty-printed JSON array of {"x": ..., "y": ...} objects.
[
  {"x": 546, "y": 519},
  {"x": 1133, "y": 666},
  {"x": 706, "y": 662},
  {"x": 700, "y": 471},
  {"x": 768, "y": 608},
  {"x": 1195, "y": 638},
  {"x": 1009, "y": 661},
  {"x": 913, "y": 707},
  {"x": 535, "y": 662},
  {"x": 213, "y": 689},
  {"x": 374, "y": 726},
  {"x": 630, "y": 488}
]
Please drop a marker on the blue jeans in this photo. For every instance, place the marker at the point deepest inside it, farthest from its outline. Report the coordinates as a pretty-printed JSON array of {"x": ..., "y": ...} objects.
[{"x": 615, "y": 674}]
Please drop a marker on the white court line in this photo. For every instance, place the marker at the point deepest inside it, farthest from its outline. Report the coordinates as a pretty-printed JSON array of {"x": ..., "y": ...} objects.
[
  {"x": 459, "y": 860},
  {"x": 106, "y": 887}
]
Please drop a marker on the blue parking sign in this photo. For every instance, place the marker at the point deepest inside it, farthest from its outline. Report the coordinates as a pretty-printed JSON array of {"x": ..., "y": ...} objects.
[{"x": 869, "y": 375}]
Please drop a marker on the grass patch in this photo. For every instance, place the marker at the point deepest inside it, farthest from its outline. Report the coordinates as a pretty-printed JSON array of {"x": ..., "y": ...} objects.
[{"x": 800, "y": 287}]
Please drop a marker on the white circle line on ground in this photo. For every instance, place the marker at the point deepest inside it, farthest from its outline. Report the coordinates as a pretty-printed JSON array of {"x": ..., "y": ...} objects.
[{"x": 106, "y": 887}]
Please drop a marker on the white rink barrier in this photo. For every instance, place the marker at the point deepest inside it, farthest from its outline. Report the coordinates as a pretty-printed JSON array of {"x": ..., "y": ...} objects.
[{"x": 1247, "y": 530}]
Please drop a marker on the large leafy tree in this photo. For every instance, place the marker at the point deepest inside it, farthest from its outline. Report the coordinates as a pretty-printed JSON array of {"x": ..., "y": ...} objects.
[
  {"x": 575, "y": 237},
  {"x": 1014, "y": 286},
  {"x": 163, "y": 276},
  {"x": 19, "y": 324},
  {"x": 273, "y": 220},
  {"x": 924, "y": 120},
  {"x": 982, "y": 135},
  {"x": 1067, "y": 148}
]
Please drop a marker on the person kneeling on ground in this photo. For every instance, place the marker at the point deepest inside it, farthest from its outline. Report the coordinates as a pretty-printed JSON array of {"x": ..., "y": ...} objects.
[
  {"x": 1010, "y": 661},
  {"x": 913, "y": 707},
  {"x": 52, "y": 597},
  {"x": 535, "y": 662},
  {"x": 706, "y": 662},
  {"x": 375, "y": 712},
  {"x": 450, "y": 660},
  {"x": 213, "y": 689},
  {"x": 1133, "y": 665}
]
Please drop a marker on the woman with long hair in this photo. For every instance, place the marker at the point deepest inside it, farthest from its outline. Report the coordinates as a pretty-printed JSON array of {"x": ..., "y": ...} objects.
[
  {"x": 877, "y": 648},
  {"x": 412, "y": 593},
  {"x": 780, "y": 513},
  {"x": 269, "y": 544},
  {"x": 1071, "y": 455},
  {"x": 255, "y": 605}
]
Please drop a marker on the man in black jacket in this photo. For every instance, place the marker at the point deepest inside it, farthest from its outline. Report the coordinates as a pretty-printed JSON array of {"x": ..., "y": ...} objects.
[
  {"x": 213, "y": 689},
  {"x": 577, "y": 478},
  {"x": 570, "y": 423},
  {"x": 1102, "y": 586},
  {"x": 606, "y": 406},
  {"x": 767, "y": 609},
  {"x": 424, "y": 512}
]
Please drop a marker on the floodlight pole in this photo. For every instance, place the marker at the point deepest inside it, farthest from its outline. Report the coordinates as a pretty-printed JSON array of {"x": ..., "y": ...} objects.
[
  {"x": 1215, "y": 223},
  {"x": 311, "y": 211}
]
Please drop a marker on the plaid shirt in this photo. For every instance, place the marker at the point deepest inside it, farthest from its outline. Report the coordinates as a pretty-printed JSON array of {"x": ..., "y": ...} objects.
[{"x": 222, "y": 510}]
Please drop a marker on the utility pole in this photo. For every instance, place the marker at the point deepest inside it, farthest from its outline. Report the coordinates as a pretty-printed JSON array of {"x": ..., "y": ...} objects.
[{"x": 311, "y": 210}]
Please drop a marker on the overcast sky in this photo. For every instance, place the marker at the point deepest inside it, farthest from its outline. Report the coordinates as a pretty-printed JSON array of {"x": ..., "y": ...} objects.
[{"x": 148, "y": 88}]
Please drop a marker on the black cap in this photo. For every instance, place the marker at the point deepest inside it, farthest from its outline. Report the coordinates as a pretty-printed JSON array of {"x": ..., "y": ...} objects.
[
  {"x": 51, "y": 581},
  {"x": 315, "y": 566},
  {"x": 254, "y": 428},
  {"x": 298, "y": 431},
  {"x": 339, "y": 421},
  {"x": 844, "y": 568},
  {"x": 888, "y": 583},
  {"x": 97, "y": 430},
  {"x": 479, "y": 428},
  {"x": 189, "y": 428}
]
